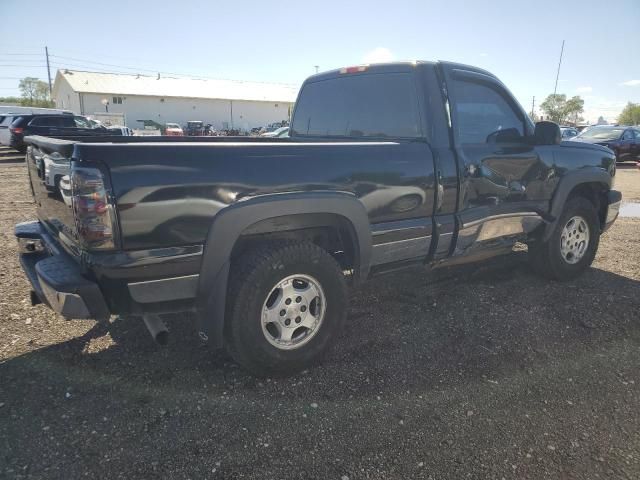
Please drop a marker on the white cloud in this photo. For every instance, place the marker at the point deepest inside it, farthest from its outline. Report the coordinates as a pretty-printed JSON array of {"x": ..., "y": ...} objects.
[
  {"x": 484, "y": 54},
  {"x": 584, "y": 89},
  {"x": 378, "y": 55},
  {"x": 631, "y": 83}
]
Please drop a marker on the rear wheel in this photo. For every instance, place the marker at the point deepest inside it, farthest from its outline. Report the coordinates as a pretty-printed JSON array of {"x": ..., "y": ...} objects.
[
  {"x": 572, "y": 245},
  {"x": 287, "y": 303}
]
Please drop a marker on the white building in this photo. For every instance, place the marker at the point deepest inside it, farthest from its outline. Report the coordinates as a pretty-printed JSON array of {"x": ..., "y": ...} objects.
[{"x": 223, "y": 103}]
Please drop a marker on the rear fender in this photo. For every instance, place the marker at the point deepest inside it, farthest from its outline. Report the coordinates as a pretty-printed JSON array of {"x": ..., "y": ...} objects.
[{"x": 229, "y": 225}]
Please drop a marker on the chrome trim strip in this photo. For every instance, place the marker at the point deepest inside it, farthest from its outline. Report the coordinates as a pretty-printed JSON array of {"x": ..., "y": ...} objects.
[
  {"x": 164, "y": 289},
  {"x": 400, "y": 250},
  {"x": 498, "y": 217}
]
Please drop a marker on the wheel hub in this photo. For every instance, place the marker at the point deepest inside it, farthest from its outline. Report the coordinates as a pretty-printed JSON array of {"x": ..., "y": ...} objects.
[
  {"x": 293, "y": 311},
  {"x": 574, "y": 240}
]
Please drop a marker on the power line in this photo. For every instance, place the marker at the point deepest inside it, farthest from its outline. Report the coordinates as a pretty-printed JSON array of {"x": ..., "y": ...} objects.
[
  {"x": 23, "y": 66},
  {"x": 138, "y": 70},
  {"x": 22, "y": 54},
  {"x": 63, "y": 62},
  {"x": 20, "y": 60}
]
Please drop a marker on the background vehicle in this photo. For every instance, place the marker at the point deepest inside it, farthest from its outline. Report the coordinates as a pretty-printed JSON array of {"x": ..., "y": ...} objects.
[
  {"x": 568, "y": 132},
  {"x": 255, "y": 236},
  {"x": 53, "y": 126},
  {"x": 173, "y": 130},
  {"x": 624, "y": 141},
  {"x": 8, "y": 117},
  {"x": 119, "y": 130},
  {"x": 194, "y": 128},
  {"x": 279, "y": 132}
]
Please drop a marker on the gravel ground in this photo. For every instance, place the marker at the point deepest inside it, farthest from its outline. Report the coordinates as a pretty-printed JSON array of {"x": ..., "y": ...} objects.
[{"x": 480, "y": 372}]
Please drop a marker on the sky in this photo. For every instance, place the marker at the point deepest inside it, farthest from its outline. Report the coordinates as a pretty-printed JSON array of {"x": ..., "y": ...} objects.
[{"x": 282, "y": 42}]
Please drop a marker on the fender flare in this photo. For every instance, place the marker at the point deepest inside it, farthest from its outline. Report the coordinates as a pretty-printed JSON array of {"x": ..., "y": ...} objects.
[
  {"x": 228, "y": 225},
  {"x": 567, "y": 183}
]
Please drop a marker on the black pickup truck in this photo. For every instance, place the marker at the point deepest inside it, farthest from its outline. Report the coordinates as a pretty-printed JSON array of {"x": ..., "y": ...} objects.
[{"x": 387, "y": 166}]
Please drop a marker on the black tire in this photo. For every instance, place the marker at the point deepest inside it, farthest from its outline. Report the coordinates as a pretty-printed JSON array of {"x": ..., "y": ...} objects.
[
  {"x": 254, "y": 276},
  {"x": 546, "y": 258}
]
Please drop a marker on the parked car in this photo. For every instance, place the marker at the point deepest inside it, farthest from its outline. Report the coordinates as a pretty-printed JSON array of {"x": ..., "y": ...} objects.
[
  {"x": 280, "y": 132},
  {"x": 173, "y": 130},
  {"x": 50, "y": 125},
  {"x": 568, "y": 132},
  {"x": 195, "y": 128},
  {"x": 624, "y": 141},
  {"x": 261, "y": 239}
]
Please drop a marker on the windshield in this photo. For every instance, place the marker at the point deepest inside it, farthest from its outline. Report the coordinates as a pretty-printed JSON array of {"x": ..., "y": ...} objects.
[
  {"x": 173, "y": 125},
  {"x": 601, "y": 133}
]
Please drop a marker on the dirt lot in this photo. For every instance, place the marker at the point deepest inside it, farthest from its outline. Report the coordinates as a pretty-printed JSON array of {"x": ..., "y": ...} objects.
[{"x": 484, "y": 372}]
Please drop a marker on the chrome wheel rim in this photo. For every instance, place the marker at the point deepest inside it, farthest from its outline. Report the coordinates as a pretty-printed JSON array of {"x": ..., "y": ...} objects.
[
  {"x": 574, "y": 240},
  {"x": 293, "y": 311}
]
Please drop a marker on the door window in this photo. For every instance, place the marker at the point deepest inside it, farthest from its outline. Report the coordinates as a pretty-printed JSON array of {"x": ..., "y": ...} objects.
[
  {"x": 483, "y": 115},
  {"x": 81, "y": 122},
  {"x": 628, "y": 135}
]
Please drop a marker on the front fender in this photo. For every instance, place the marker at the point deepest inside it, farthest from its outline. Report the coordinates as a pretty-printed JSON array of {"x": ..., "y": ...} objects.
[
  {"x": 228, "y": 225},
  {"x": 567, "y": 184}
]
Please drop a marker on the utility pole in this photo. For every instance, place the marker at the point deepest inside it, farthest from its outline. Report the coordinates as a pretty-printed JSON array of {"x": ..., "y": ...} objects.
[
  {"x": 46, "y": 52},
  {"x": 533, "y": 107},
  {"x": 316, "y": 67},
  {"x": 555, "y": 89}
]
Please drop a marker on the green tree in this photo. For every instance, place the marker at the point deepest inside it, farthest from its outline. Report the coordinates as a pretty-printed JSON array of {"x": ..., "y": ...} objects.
[
  {"x": 35, "y": 93},
  {"x": 630, "y": 115},
  {"x": 559, "y": 109},
  {"x": 10, "y": 100}
]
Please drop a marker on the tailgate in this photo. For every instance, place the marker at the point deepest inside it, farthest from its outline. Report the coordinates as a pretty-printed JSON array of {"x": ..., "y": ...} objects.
[{"x": 48, "y": 164}]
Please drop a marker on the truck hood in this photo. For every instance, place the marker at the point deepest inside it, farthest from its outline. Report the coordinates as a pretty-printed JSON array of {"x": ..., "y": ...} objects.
[{"x": 586, "y": 143}]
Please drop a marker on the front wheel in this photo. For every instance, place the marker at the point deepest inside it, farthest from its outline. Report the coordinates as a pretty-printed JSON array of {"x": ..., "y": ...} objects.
[
  {"x": 572, "y": 245},
  {"x": 287, "y": 303}
]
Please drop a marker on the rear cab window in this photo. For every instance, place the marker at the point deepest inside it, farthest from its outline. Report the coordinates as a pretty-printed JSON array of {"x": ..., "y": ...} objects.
[{"x": 374, "y": 105}]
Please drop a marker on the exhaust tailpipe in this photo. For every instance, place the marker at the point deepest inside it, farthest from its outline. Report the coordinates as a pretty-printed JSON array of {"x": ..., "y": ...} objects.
[
  {"x": 35, "y": 299},
  {"x": 157, "y": 328}
]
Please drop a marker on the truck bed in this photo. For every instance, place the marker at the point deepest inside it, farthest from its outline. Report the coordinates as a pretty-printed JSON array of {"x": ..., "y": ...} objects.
[{"x": 167, "y": 190}]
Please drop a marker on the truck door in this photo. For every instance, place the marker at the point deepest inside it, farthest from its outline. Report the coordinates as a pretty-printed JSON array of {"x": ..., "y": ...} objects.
[{"x": 503, "y": 176}]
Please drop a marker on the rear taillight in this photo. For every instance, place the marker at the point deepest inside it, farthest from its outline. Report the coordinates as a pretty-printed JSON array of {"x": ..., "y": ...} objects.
[
  {"x": 19, "y": 131},
  {"x": 92, "y": 210}
]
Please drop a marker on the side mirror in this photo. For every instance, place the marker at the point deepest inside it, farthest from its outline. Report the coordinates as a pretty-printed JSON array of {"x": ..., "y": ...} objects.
[
  {"x": 508, "y": 135},
  {"x": 547, "y": 133}
]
